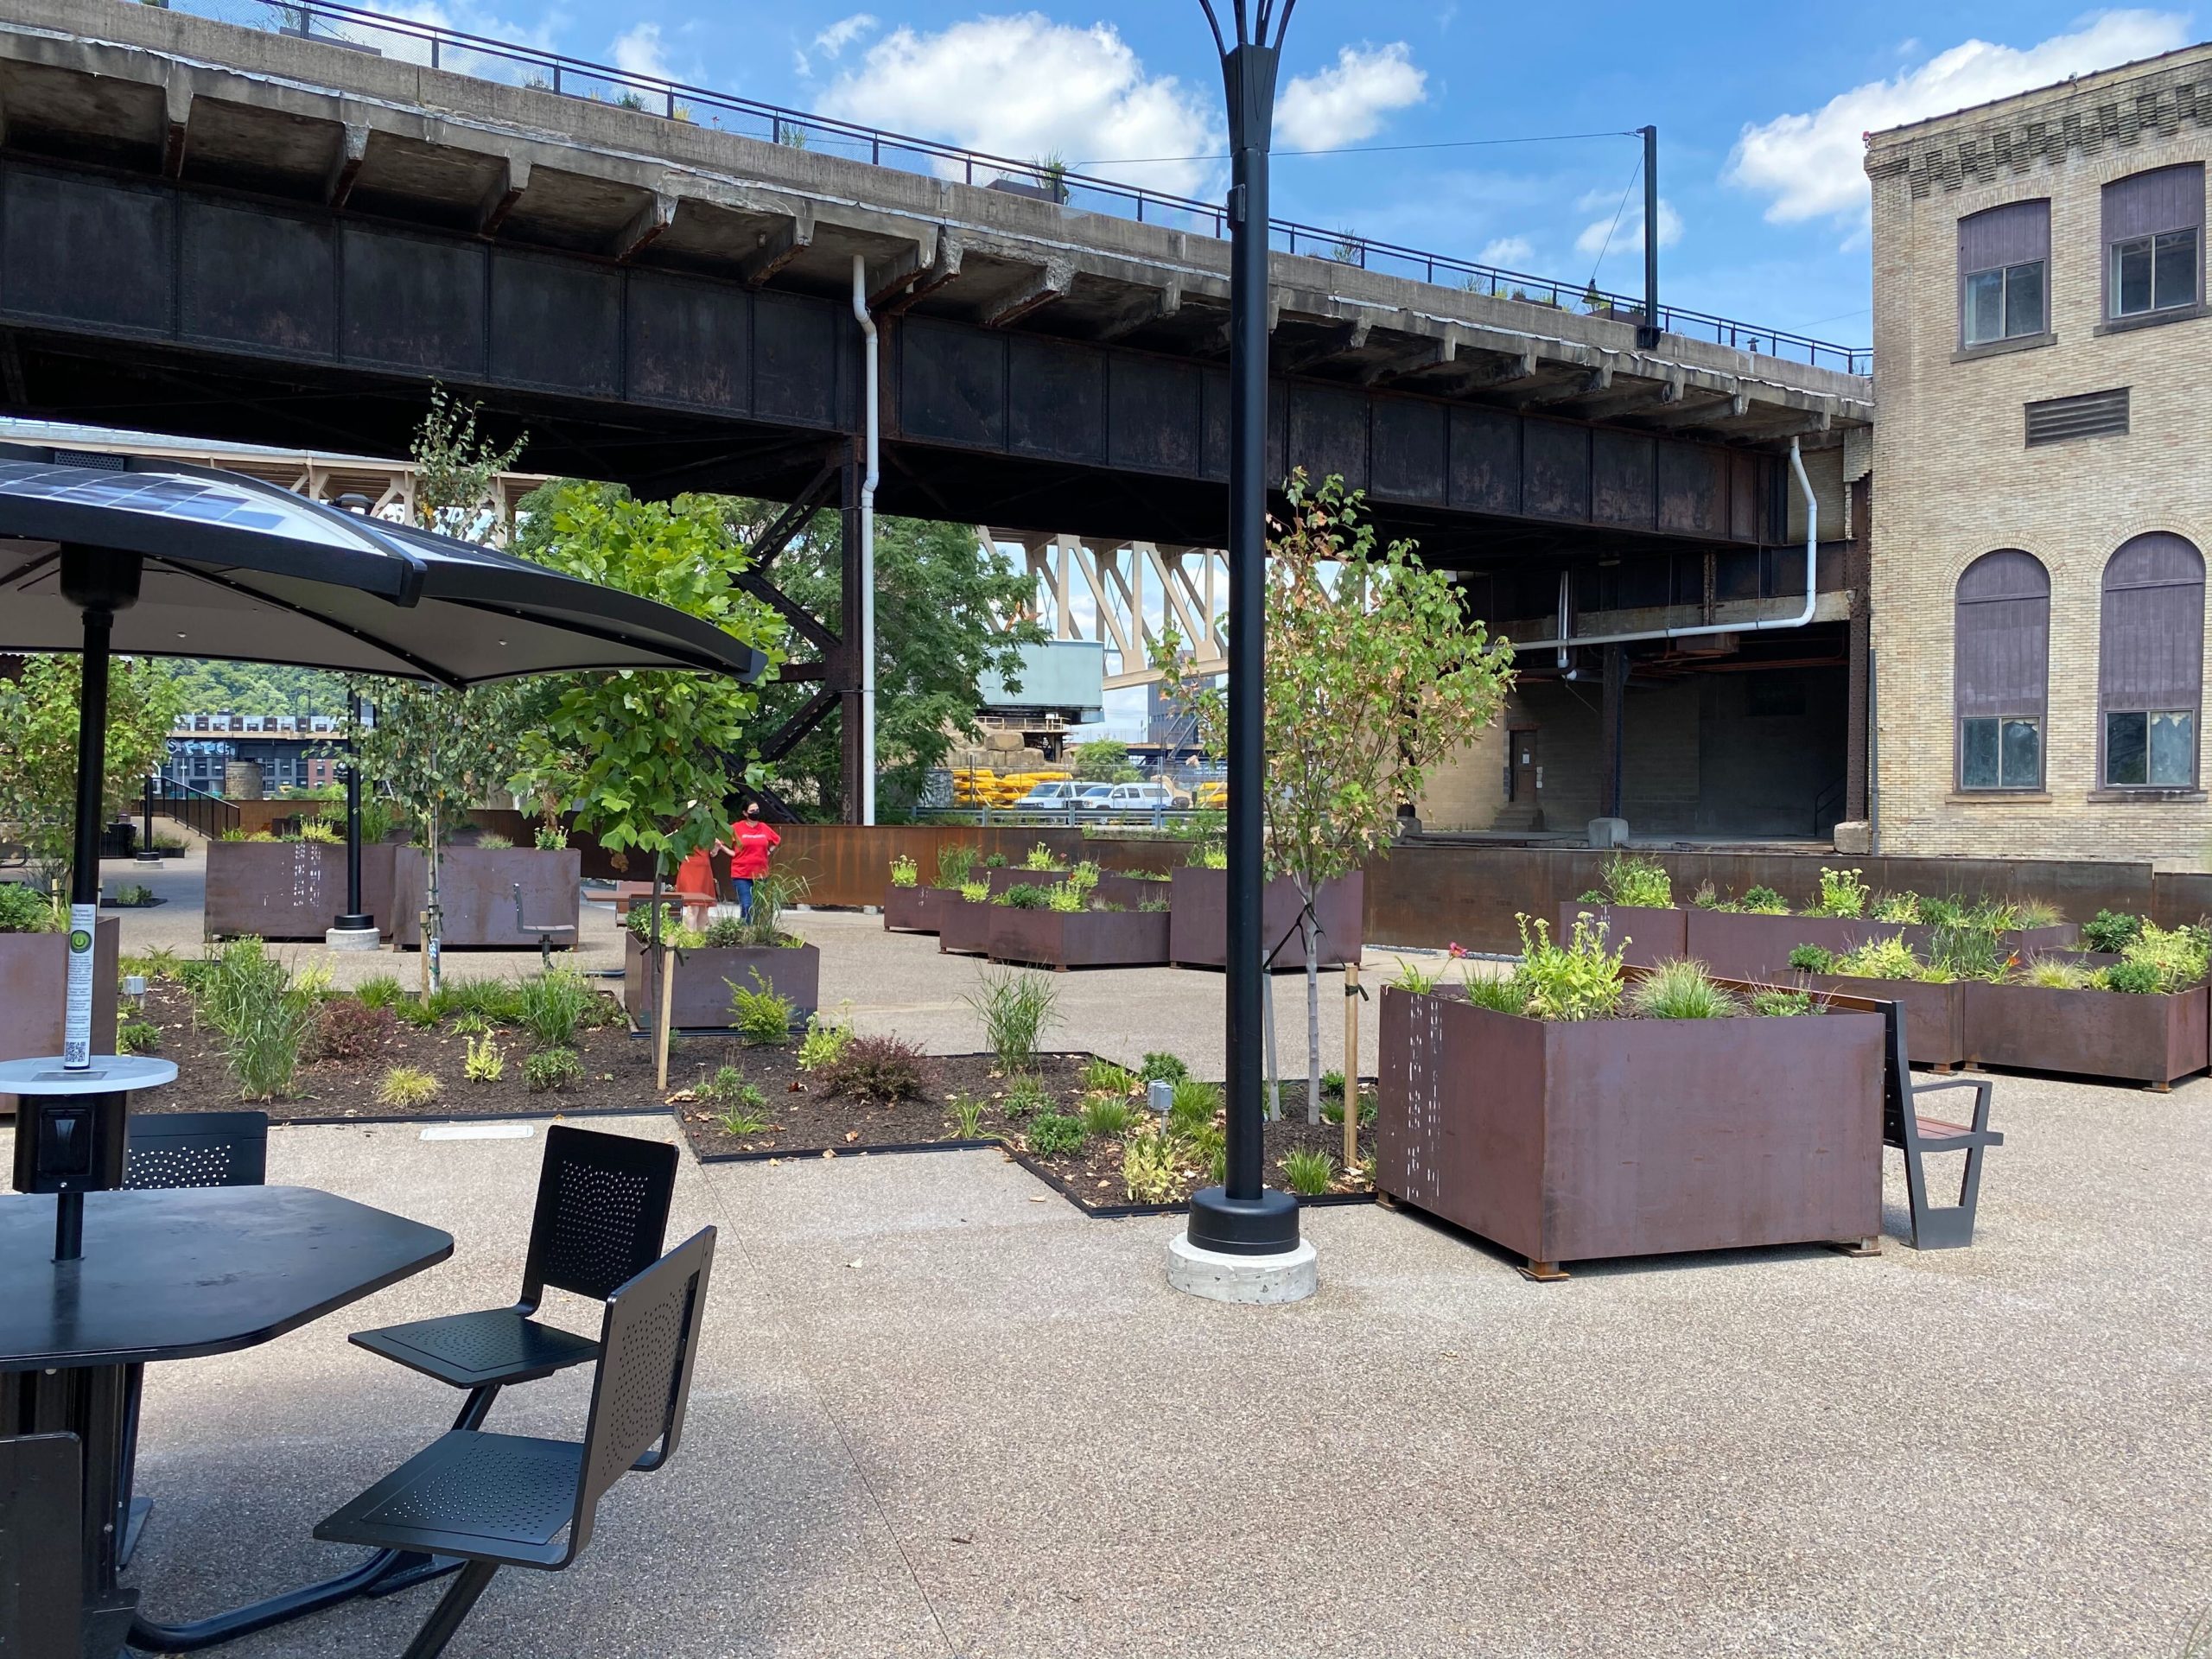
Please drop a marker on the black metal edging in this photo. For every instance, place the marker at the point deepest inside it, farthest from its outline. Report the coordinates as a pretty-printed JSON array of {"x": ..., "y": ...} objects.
[
  {"x": 386, "y": 1120},
  {"x": 1132, "y": 1211},
  {"x": 822, "y": 1154}
]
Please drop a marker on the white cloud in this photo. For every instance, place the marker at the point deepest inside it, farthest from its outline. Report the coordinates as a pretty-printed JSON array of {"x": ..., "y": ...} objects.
[
  {"x": 1600, "y": 233},
  {"x": 466, "y": 18},
  {"x": 1347, "y": 101},
  {"x": 1514, "y": 252},
  {"x": 1812, "y": 166},
  {"x": 1026, "y": 87},
  {"x": 842, "y": 33},
  {"x": 637, "y": 52}
]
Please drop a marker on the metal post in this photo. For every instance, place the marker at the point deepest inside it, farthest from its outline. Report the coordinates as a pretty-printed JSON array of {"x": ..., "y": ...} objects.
[
  {"x": 100, "y": 584},
  {"x": 1647, "y": 334},
  {"x": 1613, "y": 721},
  {"x": 1241, "y": 1216}
]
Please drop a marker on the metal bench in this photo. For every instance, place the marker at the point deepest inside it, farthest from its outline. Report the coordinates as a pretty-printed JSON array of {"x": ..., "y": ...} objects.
[
  {"x": 1935, "y": 1226},
  {"x": 545, "y": 931}
]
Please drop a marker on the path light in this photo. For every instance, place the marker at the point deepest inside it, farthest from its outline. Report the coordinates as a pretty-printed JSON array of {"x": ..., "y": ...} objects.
[{"x": 1241, "y": 1244}]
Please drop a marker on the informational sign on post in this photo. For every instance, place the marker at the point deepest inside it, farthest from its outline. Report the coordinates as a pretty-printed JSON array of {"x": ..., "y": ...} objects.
[{"x": 77, "y": 1022}]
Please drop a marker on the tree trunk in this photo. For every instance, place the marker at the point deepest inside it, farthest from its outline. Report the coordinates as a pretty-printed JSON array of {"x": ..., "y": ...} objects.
[
  {"x": 1312, "y": 1012},
  {"x": 1274, "y": 1056}
]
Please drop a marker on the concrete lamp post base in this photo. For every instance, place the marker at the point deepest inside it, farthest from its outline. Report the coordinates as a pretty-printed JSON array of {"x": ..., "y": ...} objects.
[
  {"x": 353, "y": 939},
  {"x": 1290, "y": 1276}
]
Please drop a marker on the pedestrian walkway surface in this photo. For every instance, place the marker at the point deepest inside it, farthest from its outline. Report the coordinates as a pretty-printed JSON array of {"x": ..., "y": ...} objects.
[{"x": 939, "y": 1413}]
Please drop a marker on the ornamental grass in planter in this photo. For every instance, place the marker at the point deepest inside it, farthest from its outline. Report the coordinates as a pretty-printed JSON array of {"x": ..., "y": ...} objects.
[
  {"x": 1752, "y": 940},
  {"x": 1579, "y": 1110},
  {"x": 1929, "y": 995},
  {"x": 1061, "y": 927},
  {"x": 2143, "y": 1019},
  {"x": 1635, "y": 901},
  {"x": 757, "y": 957}
]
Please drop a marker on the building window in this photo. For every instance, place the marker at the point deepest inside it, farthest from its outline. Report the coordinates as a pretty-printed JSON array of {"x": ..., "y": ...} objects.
[
  {"x": 2153, "y": 236},
  {"x": 2000, "y": 671},
  {"x": 2151, "y": 663},
  {"x": 2003, "y": 256}
]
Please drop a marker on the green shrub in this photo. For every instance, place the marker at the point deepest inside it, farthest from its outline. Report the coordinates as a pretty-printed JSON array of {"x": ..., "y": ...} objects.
[
  {"x": 137, "y": 1037},
  {"x": 825, "y": 1040},
  {"x": 1411, "y": 977},
  {"x": 877, "y": 1070},
  {"x": 551, "y": 1005},
  {"x": 1025, "y": 895},
  {"x": 347, "y": 1028},
  {"x": 1590, "y": 896},
  {"x": 2133, "y": 978},
  {"x": 1897, "y": 908},
  {"x": 1107, "y": 1115},
  {"x": 1578, "y": 980},
  {"x": 1162, "y": 1068},
  {"x": 2111, "y": 930},
  {"x": 1067, "y": 898},
  {"x": 1307, "y": 1171},
  {"x": 1812, "y": 959},
  {"x": 548, "y": 1068},
  {"x": 1763, "y": 901},
  {"x": 1104, "y": 1077},
  {"x": 484, "y": 1061},
  {"x": 1501, "y": 993},
  {"x": 2175, "y": 956},
  {"x": 1040, "y": 857},
  {"x": 492, "y": 840},
  {"x": 761, "y": 1015},
  {"x": 1884, "y": 959},
  {"x": 1778, "y": 1003},
  {"x": 379, "y": 991},
  {"x": 1945, "y": 912},
  {"x": 967, "y": 1115},
  {"x": 1705, "y": 898},
  {"x": 2056, "y": 974},
  {"x": 723, "y": 933},
  {"x": 1016, "y": 1008},
  {"x": 1680, "y": 990},
  {"x": 1193, "y": 1106},
  {"x": 1055, "y": 1134},
  {"x": 406, "y": 1087},
  {"x": 955, "y": 859},
  {"x": 1149, "y": 1172},
  {"x": 1842, "y": 894},
  {"x": 904, "y": 872},
  {"x": 1025, "y": 1096},
  {"x": 639, "y": 921},
  {"x": 995, "y": 862},
  {"x": 1636, "y": 879}
]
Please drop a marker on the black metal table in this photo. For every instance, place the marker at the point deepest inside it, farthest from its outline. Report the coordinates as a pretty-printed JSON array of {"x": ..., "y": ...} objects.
[{"x": 169, "y": 1274}]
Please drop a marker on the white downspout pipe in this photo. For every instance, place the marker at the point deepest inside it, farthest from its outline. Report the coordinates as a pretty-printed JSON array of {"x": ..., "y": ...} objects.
[
  {"x": 1762, "y": 625},
  {"x": 867, "y": 630}
]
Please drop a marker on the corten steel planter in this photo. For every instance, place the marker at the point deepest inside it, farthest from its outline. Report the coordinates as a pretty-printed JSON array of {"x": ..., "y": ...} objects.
[
  {"x": 1131, "y": 892},
  {"x": 1935, "y": 1015},
  {"x": 476, "y": 894},
  {"x": 1001, "y": 880},
  {"x": 1197, "y": 931},
  {"x": 291, "y": 889},
  {"x": 700, "y": 999},
  {"x": 963, "y": 926},
  {"x": 2025, "y": 943},
  {"x": 911, "y": 910},
  {"x": 1083, "y": 939},
  {"x": 2150, "y": 1039},
  {"x": 1631, "y": 1137},
  {"x": 1735, "y": 945},
  {"x": 34, "y": 969},
  {"x": 1653, "y": 935}
]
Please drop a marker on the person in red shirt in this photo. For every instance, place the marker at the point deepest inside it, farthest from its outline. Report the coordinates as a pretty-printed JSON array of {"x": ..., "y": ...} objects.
[{"x": 751, "y": 842}]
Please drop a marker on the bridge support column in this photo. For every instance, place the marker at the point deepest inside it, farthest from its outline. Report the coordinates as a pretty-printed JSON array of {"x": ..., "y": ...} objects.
[
  {"x": 1612, "y": 720},
  {"x": 850, "y": 669}
]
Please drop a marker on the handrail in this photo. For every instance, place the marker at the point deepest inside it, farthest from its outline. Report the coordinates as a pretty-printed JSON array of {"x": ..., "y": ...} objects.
[
  {"x": 205, "y": 814},
  {"x": 454, "y": 49}
]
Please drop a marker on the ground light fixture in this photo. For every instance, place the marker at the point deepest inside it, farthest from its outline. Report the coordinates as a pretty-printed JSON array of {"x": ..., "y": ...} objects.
[{"x": 1242, "y": 1243}]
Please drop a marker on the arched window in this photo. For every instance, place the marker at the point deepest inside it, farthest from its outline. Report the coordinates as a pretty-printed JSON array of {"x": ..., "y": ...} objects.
[
  {"x": 2150, "y": 664},
  {"x": 2001, "y": 630}
]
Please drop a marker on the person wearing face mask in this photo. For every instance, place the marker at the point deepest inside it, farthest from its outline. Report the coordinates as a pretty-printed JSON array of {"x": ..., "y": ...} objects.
[{"x": 751, "y": 843}]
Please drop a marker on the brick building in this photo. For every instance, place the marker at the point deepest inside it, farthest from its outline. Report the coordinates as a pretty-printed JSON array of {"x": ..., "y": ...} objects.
[{"x": 2042, "y": 346}]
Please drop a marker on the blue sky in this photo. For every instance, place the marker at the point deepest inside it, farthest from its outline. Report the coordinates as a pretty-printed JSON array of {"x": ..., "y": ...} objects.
[{"x": 1759, "y": 108}]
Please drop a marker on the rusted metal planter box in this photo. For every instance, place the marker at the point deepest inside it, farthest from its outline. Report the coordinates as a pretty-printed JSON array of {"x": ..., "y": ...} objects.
[
  {"x": 1008, "y": 876},
  {"x": 1736, "y": 946},
  {"x": 1083, "y": 939},
  {"x": 291, "y": 889},
  {"x": 1631, "y": 1137},
  {"x": 2150, "y": 1039},
  {"x": 963, "y": 926},
  {"x": 1131, "y": 892},
  {"x": 699, "y": 999},
  {"x": 1197, "y": 933},
  {"x": 911, "y": 910},
  {"x": 1935, "y": 1015},
  {"x": 1653, "y": 935},
  {"x": 2025, "y": 943},
  {"x": 476, "y": 894},
  {"x": 34, "y": 987}
]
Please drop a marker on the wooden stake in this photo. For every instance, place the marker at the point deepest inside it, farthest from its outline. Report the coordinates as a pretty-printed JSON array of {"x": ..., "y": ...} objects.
[
  {"x": 661, "y": 1020},
  {"x": 1351, "y": 1066}
]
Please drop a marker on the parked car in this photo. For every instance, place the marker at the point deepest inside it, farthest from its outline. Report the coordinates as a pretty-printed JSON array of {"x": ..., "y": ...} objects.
[
  {"x": 1048, "y": 798},
  {"x": 1130, "y": 798}
]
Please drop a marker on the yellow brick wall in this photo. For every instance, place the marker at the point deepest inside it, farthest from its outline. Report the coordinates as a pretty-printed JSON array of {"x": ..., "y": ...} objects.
[{"x": 1953, "y": 479}]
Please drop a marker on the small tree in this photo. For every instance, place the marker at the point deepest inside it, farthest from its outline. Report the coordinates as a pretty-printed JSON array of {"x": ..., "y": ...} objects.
[
  {"x": 1104, "y": 761},
  {"x": 457, "y": 471},
  {"x": 1375, "y": 672},
  {"x": 38, "y": 747}
]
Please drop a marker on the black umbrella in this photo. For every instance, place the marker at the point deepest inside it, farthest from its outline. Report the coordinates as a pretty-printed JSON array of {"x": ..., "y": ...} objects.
[{"x": 146, "y": 556}]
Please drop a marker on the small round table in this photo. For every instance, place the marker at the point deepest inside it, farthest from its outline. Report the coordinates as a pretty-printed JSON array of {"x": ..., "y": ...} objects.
[{"x": 176, "y": 1274}]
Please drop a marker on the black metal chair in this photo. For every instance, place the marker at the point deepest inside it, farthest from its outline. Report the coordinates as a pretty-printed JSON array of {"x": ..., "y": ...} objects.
[
  {"x": 547, "y": 932},
  {"x": 1935, "y": 1226},
  {"x": 170, "y": 1149},
  {"x": 601, "y": 1216},
  {"x": 505, "y": 1500},
  {"x": 42, "y": 1535}
]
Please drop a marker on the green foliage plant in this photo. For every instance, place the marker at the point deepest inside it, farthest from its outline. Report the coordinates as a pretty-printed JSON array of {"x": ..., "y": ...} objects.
[
  {"x": 1104, "y": 1077},
  {"x": 1024, "y": 895},
  {"x": 975, "y": 893},
  {"x": 548, "y": 1069},
  {"x": 1016, "y": 1007},
  {"x": 263, "y": 1013},
  {"x": 1209, "y": 855},
  {"x": 491, "y": 840},
  {"x": 2111, "y": 930},
  {"x": 1812, "y": 959},
  {"x": 1055, "y": 1134},
  {"x": 904, "y": 872},
  {"x": 2056, "y": 974},
  {"x": 1040, "y": 857},
  {"x": 1025, "y": 1095},
  {"x": 824, "y": 1042},
  {"x": 1782, "y": 1004},
  {"x": 1194, "y": 1105},
  {"x": 379, "y": 991},
  {"x": 25, "y": 910},
  {"x": 321, "y": 831},
  {"x": 1681, "y": 990},
  {"x": 955, "y": 859},
  {"x": 406, "y": 1087},
  {"x": 552, "y": 1004},
  {"x": 1158, "y": 1067},
  {"x": 1577, "y": 980},
  {"x": 38, "y": 748},
  {"x": 1763, "y": 901},
  {"x": 1307, "y": 1171},
  {"x": 2037, "y": 913},
  {"x": 2176, "y": 955},
  {"x": 1413, "y": 977},
  {"x": 1104, "y": 761},
  {"x": 2131, "y": 978},
  {"x": 137, "y": 1037},
  {"x": 1107, "y": 1115},
  {"x": 967, "y": 1114},
  {"x": 1637, "y": 880},
  {"x": 1705, "y": 898},
  {"x": 1149, "y": 1171},
  {"x": 1842, "y": 894},
  {"x": 761, "y": 1015},
  {"x": 1499, "y": 993},
  {"x": 1889, "y": 957},
  {"x": 484, "y": 1061},
  {"x": 1067, "y": 898}
]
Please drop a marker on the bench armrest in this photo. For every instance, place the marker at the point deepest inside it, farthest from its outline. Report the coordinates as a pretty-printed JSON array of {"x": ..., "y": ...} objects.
[{"x": 1983, "y": 1089}]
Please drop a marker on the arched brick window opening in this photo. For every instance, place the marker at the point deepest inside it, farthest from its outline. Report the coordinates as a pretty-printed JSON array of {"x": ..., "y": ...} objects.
[
  {"x": 2150, "y": 664},
  {"x": 2001, "y": 670}
]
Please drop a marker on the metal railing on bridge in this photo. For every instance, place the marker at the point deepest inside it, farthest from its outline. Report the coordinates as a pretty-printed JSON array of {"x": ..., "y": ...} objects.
[
  {"x": 195, "y": 808},
  {"x": 442, "y": 47}
]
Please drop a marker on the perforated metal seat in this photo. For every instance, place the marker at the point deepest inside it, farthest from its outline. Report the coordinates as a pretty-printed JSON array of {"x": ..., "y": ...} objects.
[
  {"x": 602, "y": 1214},
  {"x": 506, "y": 1500}
]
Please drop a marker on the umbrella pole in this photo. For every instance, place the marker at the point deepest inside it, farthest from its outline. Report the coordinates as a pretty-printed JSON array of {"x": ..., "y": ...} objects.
[{"x": 100, "y": 604}]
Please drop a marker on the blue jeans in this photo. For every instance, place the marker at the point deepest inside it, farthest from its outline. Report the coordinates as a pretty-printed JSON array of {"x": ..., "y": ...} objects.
[{"x": 743, "y": 884}]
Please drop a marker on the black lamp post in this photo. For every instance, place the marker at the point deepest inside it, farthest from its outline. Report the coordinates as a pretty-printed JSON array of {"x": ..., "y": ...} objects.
[
  {"x": 1241, "y": 1216},
  {"x": 356, "y": 927}
]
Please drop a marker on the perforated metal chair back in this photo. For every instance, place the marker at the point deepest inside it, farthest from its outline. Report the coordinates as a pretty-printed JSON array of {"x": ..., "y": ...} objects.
[
  {"x": 649, "y": 1342},
  {"x": 168, "y": 1149},
  {"x": 602, "y": 1212}
]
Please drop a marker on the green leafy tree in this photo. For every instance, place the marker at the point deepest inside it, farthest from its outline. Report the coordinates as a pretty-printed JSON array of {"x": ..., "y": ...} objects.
[
  {"x": 940, "y": 594},
  {"x": 647, "y": 756},
  {"x": 38, "y": 748},
  {"x": 1375, "y": 672},
  {"x": 456, "y": 472},
  {"x": 1104, "y": 761}
]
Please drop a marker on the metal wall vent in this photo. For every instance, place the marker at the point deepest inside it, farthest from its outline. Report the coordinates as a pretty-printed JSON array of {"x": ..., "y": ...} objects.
[
  {"x": 2092, "y": 414},
  {"x": 99, "y": 460}
]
